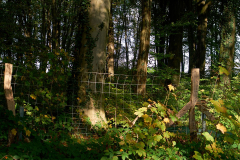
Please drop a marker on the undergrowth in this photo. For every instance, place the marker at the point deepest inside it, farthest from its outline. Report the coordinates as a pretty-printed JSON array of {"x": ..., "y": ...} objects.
[{"x": 149, "y": 137}]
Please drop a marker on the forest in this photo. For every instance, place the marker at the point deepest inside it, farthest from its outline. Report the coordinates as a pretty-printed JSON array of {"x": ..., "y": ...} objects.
[{"x": 119, "y": 79}]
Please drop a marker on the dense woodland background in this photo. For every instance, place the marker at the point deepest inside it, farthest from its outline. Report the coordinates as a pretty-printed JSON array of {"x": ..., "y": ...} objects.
[
  {"x": 55, "y": 44},
  {"x": 130, "y": 37}
]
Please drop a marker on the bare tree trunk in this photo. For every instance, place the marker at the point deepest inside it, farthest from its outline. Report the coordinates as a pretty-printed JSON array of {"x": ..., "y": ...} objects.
[
  {"x": 175, "y": 40},
  {"x": 49, "y": 42},
  {"x": 94, "y": 58},
  {"x": 125, "y": 32},
  {"x": 54, "y": 26},
  {"x": 137, "y": 31},
  {"x": 191, "y": 39},
  {"x": 227, "y": 48},
  {"x": 144, "y": 47},
  {"x": 111, "y": 45},
  {"x": 201, "y": 35}
]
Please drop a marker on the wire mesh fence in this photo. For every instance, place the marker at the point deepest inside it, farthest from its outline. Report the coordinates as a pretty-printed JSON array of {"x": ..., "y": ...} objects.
[{"x": 117, "y": 94}]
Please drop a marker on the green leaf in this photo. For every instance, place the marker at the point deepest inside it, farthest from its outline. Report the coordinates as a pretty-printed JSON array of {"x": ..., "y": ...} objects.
[
  {"x": 124, "y": 155},
  {"x": 140, "y": 111},
  {"x": 157, "y": 138},
  {"x": 155, "y": 157},
  {"x": 115, "y": 158},
  {"x": 166, "y": 134},
  {"x": 218, "y": 107},
  {"x": 208, "y": 136},
  {"x": 140, "y": 145},
  {"x": 173, "y": 118},
  {"x": 104, "y": 158},
  {"x": 141, "y": 152},
  {"x": 37, "y": 119},
  {"x": 197, "y": 155},
  {"x": 16, "y": 157},
  {"x": 223, "y": 70},
  {"x": 49, "y": 96},
  {"x": 154, "y": 110}
]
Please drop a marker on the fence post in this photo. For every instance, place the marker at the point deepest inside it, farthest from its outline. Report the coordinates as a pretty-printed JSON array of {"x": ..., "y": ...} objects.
[
  {"x": 8, "y": 88},
  {"x": 21, "y": 111},
  {"x": 195, "y": 77}
]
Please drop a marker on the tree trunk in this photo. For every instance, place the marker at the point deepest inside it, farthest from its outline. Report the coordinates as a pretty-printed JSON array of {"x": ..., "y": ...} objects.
[
  {"x": 201, "y": 35},
  {"x": 126, "y": 36},
  {"x": 144, "y": 47},
  {"x": 137, "y": 31},
  {"x": 92, "y": 58},
  {"x": 175, "y": 39},
  {"x": 228, "y": 34},
  {"x": 191, "y": 39},
  {"x": 111, "y": 45}
]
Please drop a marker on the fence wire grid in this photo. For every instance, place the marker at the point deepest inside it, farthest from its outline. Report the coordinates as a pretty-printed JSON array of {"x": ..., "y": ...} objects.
[{"x": 117, "y": 94}]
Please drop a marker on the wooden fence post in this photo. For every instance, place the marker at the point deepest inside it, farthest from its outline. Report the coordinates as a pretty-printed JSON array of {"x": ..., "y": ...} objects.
[
  {"x": 8, "y": 88},
  {"x": 195, "y": 77}
]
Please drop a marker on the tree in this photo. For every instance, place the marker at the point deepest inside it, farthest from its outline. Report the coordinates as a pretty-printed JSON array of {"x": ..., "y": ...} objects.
[
  {"x": 228, "y": 35},
  {"x": 91, "y": 56},
  {"x": 111, "y": 44},
  {"x": 159, "y": 22},
  {"x": 175, "y": 38},
  {"x": 191, "y": 35},
  {"x": 142, "y": 62},
  {"x": 202, "y": 9}
]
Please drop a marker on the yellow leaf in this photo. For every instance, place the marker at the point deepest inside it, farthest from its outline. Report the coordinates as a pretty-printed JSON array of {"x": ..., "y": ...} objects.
[
  {"x": 213, "y": 148},
  {"x": 121, "y": 143},
  {"x": 218, "y": 106},
  {"x": 223, "y": 70},
  {"x": 14, "y": 132},
  {"x": 28, "y": 133},
  {"x": 121, "y": 150},
  {"x": 174, "y": 95},
  {"x": 222, "y": 128},
  {"x": 33, "y": 96},
  {"x": 145, "y": 116},
  {"x": 221, "y": 101},
  {"x": 149, "y": 100},
  {"x": 174, "y": 143},
  {"x": 171, "y": 87},
  {"x": 46, "y": 116},
  {"x": 166, "y": 120}
]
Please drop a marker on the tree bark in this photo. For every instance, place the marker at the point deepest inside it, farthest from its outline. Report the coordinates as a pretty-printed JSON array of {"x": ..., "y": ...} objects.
[
  {"x": 175, "y": 39},
  {"x": 111, "y": 45},
  {"x": 191, "y": 38},
  {"x": 228, "y": 35},
  {"x": 92, "y": 58},
  {"x": 144, "y": 47},
  {"x": 201, "y": 34}
]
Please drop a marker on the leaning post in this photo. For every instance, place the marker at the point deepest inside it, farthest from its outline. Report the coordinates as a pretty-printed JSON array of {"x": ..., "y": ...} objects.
[
  {"x": 8, "y": 88},
  {"x": 195, "y": 78}
]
